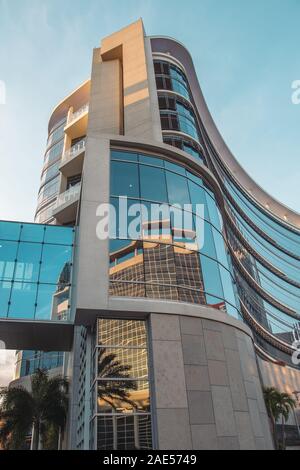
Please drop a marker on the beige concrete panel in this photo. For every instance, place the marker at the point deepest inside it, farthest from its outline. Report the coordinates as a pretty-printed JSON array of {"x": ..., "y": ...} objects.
[
  {"x": 92, "y": 262},
  {"x": 204, "y": 437},
  {"x": 193, "y": 350},
  {"x": 174, "y": 432},
  {"x": 197, "y": 378},
  {"x": 237, "y": 387},
  {"x": 255, "y": 418},
  {"x": 191, "y": 326},
  {"x": 244, "y": 430},
  {"x": 168, "y": 371},
  {"x": 218, "y": 373},
  {"x": 229, "y": 337},
  {"x": 201, "y": 407},
  {"x": 106, "y": 99},
  {"x": 228, "y": 443},
  {"x": 165, "y": 327},
  {"x": 140, "y": 107},
  {"x": 223, "y": 411},
  {"x": 214, "y": 345}
]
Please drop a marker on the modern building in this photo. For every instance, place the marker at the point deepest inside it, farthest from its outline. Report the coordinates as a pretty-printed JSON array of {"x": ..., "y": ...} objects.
[{"x": 201, "y": 319}]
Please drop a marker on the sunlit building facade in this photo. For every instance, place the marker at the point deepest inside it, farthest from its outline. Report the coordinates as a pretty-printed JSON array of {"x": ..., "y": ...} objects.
[{"x": 168, "y": 336}]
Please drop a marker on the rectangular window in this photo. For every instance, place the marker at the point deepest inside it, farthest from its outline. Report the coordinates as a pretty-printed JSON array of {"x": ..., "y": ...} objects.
[{"x": 122, "y": 412}]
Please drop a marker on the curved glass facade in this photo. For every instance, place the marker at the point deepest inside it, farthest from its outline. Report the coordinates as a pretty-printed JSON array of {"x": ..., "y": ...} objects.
[
  {"x": 50, "y": 178},
  {"x": 177, "y": 115},
  {"x": 162, "y": 261},
  {"x": 265, "y": 252},
  {"x": 170, "y": 77}
]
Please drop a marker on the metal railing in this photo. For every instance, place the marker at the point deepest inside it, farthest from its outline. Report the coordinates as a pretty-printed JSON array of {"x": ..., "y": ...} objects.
[
  {"x": 74, "y": 151},
  {"x": 84, "y": 109},
  {"x": 71, "y": 195}
]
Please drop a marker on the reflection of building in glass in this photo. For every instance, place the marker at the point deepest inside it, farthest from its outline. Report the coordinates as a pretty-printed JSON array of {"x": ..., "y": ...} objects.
[
  {"x": 121, "y": 418},
  {"x": 157, "y": 270}
]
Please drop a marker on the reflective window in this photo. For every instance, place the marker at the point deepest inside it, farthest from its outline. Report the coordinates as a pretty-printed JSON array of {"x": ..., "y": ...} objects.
[
  {"x": 182, "y": 143},
  {"x": 168, "y": 260},
  {"x": 149, "y": 190},
  {"x": 124, "y": 179},
  {"x": 29, "y": 361},
  {"x": 288, "y": 239},
  {"x": 121, "y": 396},
  {"x": 35, "y": 271},
  {"x": 57, "y": 134},
  {"x": 54, "y": 152},
  {"x": 170, "y": 77}
]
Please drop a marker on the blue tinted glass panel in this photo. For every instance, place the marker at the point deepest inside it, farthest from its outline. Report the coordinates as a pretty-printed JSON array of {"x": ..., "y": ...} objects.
[
  {"x": 120, "y": 155},
  {"x": 10, "y": 230},
  {"x": 54, "y": 261},
  {"x": 176, "y": 168},
  {"x": 23, "y": 298},
  {"x": 177, "y": 189},
  {"x": 180, "y": 88},
  {"x": 153, "y": 184},
  {"x": 212, "y": 281},
  {"x": 28, "y": 262},
  {"x": 128, "y": 224},
  {"x": 32, "y": 233},
  {"x": 197, "y": 194},
  {"x": 151, "y": 161},
  {"x": 8, "y": 254},
  {"x": 5, "y": 289},
  {"x": 195, "y": 178},
  {"x": 52, "y": 302},
  {"x": 46, "y": 302},
  {"x": 124, "y": 179},
  {"x": 59, "y": 235}
]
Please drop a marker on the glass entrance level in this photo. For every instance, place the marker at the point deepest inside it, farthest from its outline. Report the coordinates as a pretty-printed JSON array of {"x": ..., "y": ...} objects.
[{"x": 35, "y": 271}]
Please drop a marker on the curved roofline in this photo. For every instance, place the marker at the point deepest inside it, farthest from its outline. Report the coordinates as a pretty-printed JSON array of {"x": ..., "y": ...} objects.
[
  {"x": 60, "y": 105},
  {"x": 285, "y": 215}
]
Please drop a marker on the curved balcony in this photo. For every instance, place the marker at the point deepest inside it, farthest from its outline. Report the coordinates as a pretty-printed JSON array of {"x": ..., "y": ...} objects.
[
  {"x": 77, "y": 122},
  {"x": 65, "y": 208},
  {"x": 72, "y": 159}
]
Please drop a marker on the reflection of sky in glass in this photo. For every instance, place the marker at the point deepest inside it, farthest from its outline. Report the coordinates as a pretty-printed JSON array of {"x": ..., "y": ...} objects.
[{"x": 35, "y": 264}]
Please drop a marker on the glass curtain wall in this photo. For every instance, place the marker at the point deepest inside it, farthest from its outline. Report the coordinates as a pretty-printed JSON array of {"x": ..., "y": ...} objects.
[
  {"x": 121, "y": 410},
  {"x": 161, "y": 261}
]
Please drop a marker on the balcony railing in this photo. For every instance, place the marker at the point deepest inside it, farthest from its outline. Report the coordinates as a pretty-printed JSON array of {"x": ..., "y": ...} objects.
[
  {"x": 69, "y": 196},
  {"x": 84, "y": 109},
  {"x": 74, "y": 151}
]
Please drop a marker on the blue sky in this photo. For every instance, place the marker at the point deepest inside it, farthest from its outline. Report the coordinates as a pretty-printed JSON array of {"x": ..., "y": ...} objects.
[{"x": 246, "y": 55}]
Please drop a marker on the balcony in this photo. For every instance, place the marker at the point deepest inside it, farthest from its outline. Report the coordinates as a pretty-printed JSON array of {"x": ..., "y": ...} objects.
[
  {"x": 72, "y": 159},
  {"x": 77, "y": 122},
  {"x": 65, "y": 208}
]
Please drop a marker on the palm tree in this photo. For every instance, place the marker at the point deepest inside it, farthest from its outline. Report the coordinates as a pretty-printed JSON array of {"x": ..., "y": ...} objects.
[
  {"x": 286, "y": 404},
  {"x": 44, "y": 407},
  {"x": 278, "y": 405},
  {"x": 116, "y": 383}
]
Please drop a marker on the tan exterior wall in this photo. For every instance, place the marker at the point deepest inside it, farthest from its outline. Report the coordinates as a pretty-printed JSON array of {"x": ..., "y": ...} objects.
[
  {"x": 207, "y": 390},
  {"x": 284, "y": 379}
]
